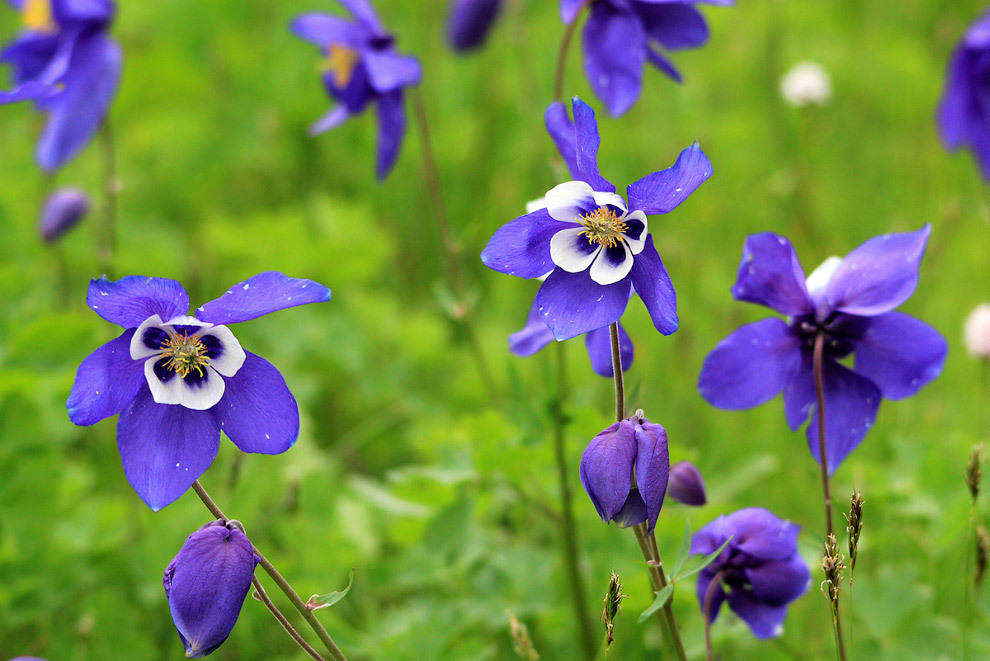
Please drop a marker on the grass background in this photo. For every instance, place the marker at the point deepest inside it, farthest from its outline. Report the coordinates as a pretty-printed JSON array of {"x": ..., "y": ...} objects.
[{"x": 441, "y": 498}]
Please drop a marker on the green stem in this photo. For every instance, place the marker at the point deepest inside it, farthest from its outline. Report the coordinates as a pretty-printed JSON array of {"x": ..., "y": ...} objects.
[
  {"x": 565, "y": 44},
  {"x": 823, "y": 462},
  {"x": 266, "y": 600},
  {"x": 567, "y": 527},
  {"x": 461, "y": 312},
  {"x": 111, "y": 188},
  {"x": 283, "y": 585}
]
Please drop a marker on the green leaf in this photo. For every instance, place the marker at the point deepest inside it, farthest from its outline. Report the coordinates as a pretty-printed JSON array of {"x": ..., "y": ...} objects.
[
  {"x": 318, "y": 601},
  {"x": 685, "y": 551},
  {"x": 707, "y": 560},
  {"x": 663, "y": 596}
]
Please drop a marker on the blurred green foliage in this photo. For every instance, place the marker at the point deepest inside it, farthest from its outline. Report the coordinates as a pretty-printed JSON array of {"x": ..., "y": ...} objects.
[{"x": 442, "y": 499}]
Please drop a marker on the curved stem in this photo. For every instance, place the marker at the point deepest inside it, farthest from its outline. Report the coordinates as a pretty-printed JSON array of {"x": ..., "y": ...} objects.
[
  {"x": 716, "y": 582},
  {"x": 111, "y": 187},
  {"x": 283, "y": 585},
  {"x": 620, "y": 389},
  {"x": 568, "y": 528},
  {"x": 565, "y": 44},
  {"x": 266, "y": 600},
  {"x": 461, "y": 311},
  {"x": 823, "y": 462}
]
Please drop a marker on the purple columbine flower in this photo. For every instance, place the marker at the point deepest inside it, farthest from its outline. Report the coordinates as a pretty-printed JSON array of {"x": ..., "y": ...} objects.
[
  {"x": 760, "y": 568},
  {"x": 685, "y": 484},
  {"x": 65, "y": 62},
  {"x": 63, "y": 210},
  {"x": 607, "y": 468},
  {"x": 206, "y": 584},
  {"x": 178, "y": 380},
  {"x": 536, "y": 334},
  {"x": 470, "y": 22},
  {"x": 362, "y": 66},
  {"x": 594, "y": 248},
  {"x": 963, "y": 114},
  {"x": 622, "y": 35},
  {"x": 850, "y": 301}
]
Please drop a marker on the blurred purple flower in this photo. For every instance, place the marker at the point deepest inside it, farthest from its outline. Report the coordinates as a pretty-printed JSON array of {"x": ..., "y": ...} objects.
[
  {"x": 362, "y": 66},
  {"x": 178, "y": 380},
  {"x": 63, "y": 210},
  {"x": 850, "y": 300},
  {"x": 594, "y": 249},
  {"x": 206, "y": 584},
  {"x": 536, "y": 334},
  {"x": 65, "y": 62},
  {"x": 760, "y": 568},
  {"x": 470, "y": 22},
  {"x": 963, "y": 115},
  {"x": 685, "y": 484},
  {"x": 607, "y": 468},
  {"x": 622, "y": 35}
]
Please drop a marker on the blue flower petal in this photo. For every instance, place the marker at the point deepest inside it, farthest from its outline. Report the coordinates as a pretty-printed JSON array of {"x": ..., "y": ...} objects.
[
  {"x": 664, "y": 191},
  {"x": 652, "y": 468},
  {"x": 599, "y": 345},
  {"x": 106, "y": 382},
  {"x": 569, "y": 9},
  {"x": 652, "y": 283},
  {"x": 614, "y": 53},
  {"x": 606, "y": 468},
  {"x": 362, "y": 10},
  {"x": 771, "y": 275},
  {"x": 323, "y": 30},
  {"x": 675, "y": 25},
  {"x": 900, "y": 354},
  {"x": 751, "y": 366},
  {"x": 764, "y": 619},
  {"x": 879, "y": 275},
  {"x": 470, "y": 22},
  {"x": 522, "y": 247},
  {"x": 779, "y": 581},
  {"x": 573, "y": 304},
  {"x": 665, "y": 65},
  {"x": 390, "y": 71},
  {"x": 130, "y": 300},
  {"x": 257, "y": 412},
  {"x": 577, "y": 143},
  {"x": 164, "y": 448},
  {"x": 391, "y": 130},
  {"x": 851, "y": 403},
  {"x": 534, "y": 335},
  {"x": 259, "y": 295}
]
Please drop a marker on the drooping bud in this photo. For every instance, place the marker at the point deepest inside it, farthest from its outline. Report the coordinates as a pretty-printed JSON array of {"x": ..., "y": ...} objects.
[
  {"x": 976, "y": 332},
  {"x": 470, "y": 22},
  {"x": 634, "y": 445},
  {"x": 63, "y": 210},
  {"x": 206, "y": 584},
  {"x": 982, "y": 554},
  {"x": 974, "y": 470},
  {"x": 832, "y": 564},
  {"x": 613, "y": 607},
  {"x": 685, "y": 484},
  {"x": 854, "y": 526},
  {"x": 522, "y": 643}
]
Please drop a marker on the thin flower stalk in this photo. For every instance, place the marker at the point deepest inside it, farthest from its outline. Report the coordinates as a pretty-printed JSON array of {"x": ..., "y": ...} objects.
[
  {"x": 647, "y": 540},
  {"x": 262, "y": 596},
  {"x": 107, "y": 243},
  {"x": 709, "y": 654},
  {"x": 283, "y": 585}
]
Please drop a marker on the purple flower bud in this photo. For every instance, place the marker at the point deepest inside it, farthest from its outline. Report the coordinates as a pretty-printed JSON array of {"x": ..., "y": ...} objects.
[
  {"x": 470, "y": 22},
  {"x": 63, "y": 210},
  {"x": 685, "y": 485},
  {"x": 206, "y": 584},
  {"x": 607, "y": 471},
  {"x": 760, "y": 568}
]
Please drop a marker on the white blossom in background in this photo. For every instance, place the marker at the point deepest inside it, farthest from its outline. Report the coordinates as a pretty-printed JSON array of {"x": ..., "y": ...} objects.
[
  {"x": 977, "y": 331},
  {"x": 806, "y": 83}
]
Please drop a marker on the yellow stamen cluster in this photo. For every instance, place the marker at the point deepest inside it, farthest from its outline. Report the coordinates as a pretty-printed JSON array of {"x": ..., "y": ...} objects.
[
  {"x": 341, "y": 60},
  {"x": 37, "y": 15},
  {"x": 603, "y": 226},
  {"x": 185, "y": 354}
]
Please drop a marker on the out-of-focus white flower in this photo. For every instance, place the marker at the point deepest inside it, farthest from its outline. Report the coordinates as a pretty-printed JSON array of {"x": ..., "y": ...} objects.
[
  {"x": 977, "y": 331},
  {"x": 806, "y": 83}
]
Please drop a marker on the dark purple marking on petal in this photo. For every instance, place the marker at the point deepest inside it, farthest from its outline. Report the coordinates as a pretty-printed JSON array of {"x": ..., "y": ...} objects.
[
  {"x": 154, "y": 337},
  {"x": 634, "y": 228},
  {"x": 214, "y": 347},
  {"x": 163, "y": 373}
]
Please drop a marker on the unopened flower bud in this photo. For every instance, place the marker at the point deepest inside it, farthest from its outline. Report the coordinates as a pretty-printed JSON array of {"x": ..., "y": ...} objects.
[
  {"x": 976, "y": 332},
  {"x": 685, "y": 484},
  {"x": 470, "y": 22},
  {"x": 63, "y": 210},
  {"x": 206, "y": 584}
]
